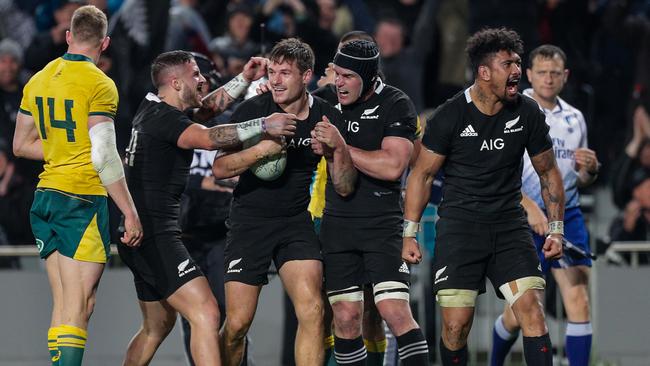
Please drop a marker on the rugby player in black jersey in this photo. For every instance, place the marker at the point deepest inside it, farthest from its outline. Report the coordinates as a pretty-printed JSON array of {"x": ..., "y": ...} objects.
[
  {"x": 479, "y": 137},
  {"x": 360, "y": 233},
  {"x": 157, "y": 164},
  {"x": 269, "y": 219}
]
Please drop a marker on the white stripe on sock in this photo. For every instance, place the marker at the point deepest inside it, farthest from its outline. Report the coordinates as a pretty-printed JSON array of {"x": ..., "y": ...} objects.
[
  {"x": 578, "y": 329},
  {"x": 501, "y": 330}
]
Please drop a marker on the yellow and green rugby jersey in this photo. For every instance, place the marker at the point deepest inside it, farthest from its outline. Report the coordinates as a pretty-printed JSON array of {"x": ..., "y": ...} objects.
[
  {"x": 317, "y": 201},
  {"x": 60, "y": 98}
]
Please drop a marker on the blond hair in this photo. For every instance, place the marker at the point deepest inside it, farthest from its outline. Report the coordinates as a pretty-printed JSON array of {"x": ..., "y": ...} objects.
[{"x": 89, "y": 25}]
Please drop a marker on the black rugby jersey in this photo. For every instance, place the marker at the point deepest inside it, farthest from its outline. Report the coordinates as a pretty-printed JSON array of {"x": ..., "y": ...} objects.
[
  {"x": 156, "y": 168},
  {"x": 484, "y": 156},
  {"x": 388, "y": 112},
  {"x": 287, "y": 195}
]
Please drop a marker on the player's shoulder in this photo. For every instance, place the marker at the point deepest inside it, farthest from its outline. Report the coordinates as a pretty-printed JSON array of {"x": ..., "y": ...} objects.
[
  {"x": 323, "y": 104},
  {"x": 327, "y": 92},
  {"x": 526, "y": 103},
  {"x": 389, "y": 94},
  {"x": 451, "y": 107},
  {"x": 568, "y": 108},
  {"x": 258, "y": 101}
]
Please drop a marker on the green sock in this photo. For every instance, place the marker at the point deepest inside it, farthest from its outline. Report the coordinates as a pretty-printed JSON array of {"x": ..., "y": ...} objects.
[
  {"x": 71, "y": 342},
  {"x": 376, "y": 350},
  {"x": 52, "y": 334}
]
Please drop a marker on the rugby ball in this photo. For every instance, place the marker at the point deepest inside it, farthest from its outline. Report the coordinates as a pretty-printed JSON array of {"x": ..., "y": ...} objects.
[{"x": 269, "y": 168}]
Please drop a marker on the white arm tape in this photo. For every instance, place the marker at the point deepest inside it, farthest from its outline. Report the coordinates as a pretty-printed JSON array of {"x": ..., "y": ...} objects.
[
  {"x": 236, "y": 87},
  {"x": 411, "y": 229},
  {"x": 250, "y": 129},
  {"x": 103, "y": 153}
]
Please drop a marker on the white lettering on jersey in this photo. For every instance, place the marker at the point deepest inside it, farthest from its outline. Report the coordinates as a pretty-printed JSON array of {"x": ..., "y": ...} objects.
[
  {"x": 353, "y": 126},
  {"x": 492, "y": 144}
]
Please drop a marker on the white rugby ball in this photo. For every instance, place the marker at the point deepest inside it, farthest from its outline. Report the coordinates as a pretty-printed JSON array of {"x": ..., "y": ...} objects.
[{"x": 269, "y": 168}]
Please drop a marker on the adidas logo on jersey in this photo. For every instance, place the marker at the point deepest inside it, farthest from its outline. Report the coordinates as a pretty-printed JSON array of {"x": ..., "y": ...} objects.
[
  {"x": 404, "y": 268},
  {"x": 468, "y": 132}
]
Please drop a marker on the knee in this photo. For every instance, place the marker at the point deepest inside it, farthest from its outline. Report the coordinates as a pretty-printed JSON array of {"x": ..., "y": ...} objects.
[
  {"x": 205, "y": 316},
  {"x": 530, "y": 313},
  {"x": 347, "y": 317},
  {"x": 160, "y": 328},
  {"x": 310, "y": 313},
  {"x": 455, "y": 332},
  {"x": 236, "y": 326},
  {"x": 394, "y": 311}
]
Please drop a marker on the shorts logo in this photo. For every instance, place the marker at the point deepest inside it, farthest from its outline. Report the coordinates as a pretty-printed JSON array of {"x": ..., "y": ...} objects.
[
  {"x": 510, "y": 124},
  {"x": 404, "y": 268},
  {"x": 232, "y": 264},
  {"x": 468, "y": 132},
  {"x": 40, "y": 245},
  {"x": 182, "y": 271},
  {"x": 438, "y": 274}
]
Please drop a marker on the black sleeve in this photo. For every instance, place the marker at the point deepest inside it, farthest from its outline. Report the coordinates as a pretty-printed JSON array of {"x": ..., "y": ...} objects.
[
  {"x": 402, "y": 120},
  {"x": 439, "y": 130},
  {"x": 170, "y": 126},
  {"x": 328, "y": 93},
  {"x": 538, "y": 138}
]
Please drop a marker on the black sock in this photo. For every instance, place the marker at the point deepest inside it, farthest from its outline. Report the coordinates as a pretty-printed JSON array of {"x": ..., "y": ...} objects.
[
  {"x": 453, "y": 358},
  {"x": 412, "y": 348},
  {"x": 538, "y": 351},
  {"x": 350, "y": 352}
]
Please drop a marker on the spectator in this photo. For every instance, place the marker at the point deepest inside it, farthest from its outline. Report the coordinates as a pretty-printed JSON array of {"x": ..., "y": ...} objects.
[
  {"x": 16, "y": 23},
  {"x": 403, "y": 66},
  {"x": 232, "y": 50},
  {"x": 51, "y": 44},
  {"x": 187, "y": 29},
  {"x": 11, "y": 85},
  {"x": 633, "y": 166},
  {"x": 634, "y": 222},
  {"x": 12, "y": 80}
]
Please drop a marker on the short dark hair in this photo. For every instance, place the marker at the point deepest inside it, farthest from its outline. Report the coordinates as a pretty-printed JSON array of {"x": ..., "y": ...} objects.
[
  {"x": 293, "y": 50},
  {"x": 166, "y": 60},
  {"x": 484, "y": 44},
  {"x": 546, "y": 51},
  {"x": 356, "y": 34}
]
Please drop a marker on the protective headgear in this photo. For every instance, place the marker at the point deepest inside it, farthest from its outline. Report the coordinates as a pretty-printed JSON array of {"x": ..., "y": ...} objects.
[{"x": 361, "y": 57}]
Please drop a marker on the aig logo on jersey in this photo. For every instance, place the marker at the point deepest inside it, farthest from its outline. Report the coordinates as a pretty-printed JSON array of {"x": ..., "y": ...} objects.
[
  {"x": 492, "y": 144},
  {"x": 510, "y": 126},
  {"x": 300, "y": 141}
]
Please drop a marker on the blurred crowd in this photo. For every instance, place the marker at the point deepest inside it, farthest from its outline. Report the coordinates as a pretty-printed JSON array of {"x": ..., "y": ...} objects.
[{"x": 422, "y": 52}]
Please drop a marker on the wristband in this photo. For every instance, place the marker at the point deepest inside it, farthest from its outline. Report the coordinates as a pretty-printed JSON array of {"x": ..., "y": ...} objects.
[
  {"x": 264, "y": 125},
  {"x": 236, "y": 87},
  {"x": 556, "y": 227},
  {"x": 411, "y": 229},
  {"x": 250, "y": 129}
]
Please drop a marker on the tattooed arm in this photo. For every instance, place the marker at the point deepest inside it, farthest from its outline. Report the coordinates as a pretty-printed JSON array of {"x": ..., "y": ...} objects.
[
  {"x": 550, "y": 180},
  {"x": 230, "y": 136},
  {"x": 231, "y": 163}
]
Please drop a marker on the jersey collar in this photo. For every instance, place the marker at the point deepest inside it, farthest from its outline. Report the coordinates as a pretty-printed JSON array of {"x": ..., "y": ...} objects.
[
  {"x": 559, "y": 106},
  {"x": 75, "y": 57}
]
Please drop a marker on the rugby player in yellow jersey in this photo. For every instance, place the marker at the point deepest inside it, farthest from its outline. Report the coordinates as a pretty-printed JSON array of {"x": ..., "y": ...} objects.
[{"x": 66, "y": 119}]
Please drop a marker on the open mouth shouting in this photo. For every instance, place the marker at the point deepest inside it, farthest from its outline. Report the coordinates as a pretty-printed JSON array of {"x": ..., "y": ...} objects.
[{"x": 512, "y": 87}]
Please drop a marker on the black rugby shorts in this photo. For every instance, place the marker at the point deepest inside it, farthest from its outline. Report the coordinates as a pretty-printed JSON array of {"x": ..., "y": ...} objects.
[
  {"x": 252, "y": 242},
  {"x": 467, "y": 252}
]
